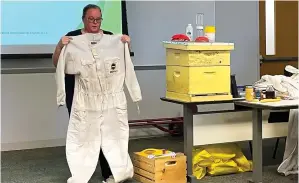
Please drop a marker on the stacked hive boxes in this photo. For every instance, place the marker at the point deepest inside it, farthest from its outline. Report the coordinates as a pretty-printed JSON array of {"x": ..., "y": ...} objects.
[{"x": 198, "y": 72}]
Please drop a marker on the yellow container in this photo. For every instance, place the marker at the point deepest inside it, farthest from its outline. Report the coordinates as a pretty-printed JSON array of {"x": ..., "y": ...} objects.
[
  {"x": 249, "y": 93},
  {"x": 198, "y": 71},
  {"x": 210, "y": 33},
  {"x": 210, "y": 29}
]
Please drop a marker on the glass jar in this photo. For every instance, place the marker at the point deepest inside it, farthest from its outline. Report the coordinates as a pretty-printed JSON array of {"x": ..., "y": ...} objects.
[{"x": 270, "y": 92}]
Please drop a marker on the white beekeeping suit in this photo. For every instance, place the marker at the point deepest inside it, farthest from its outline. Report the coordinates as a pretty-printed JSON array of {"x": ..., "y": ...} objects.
[
  {"x": 101, "y": 65},
  {"x": 289, "y": 164}
]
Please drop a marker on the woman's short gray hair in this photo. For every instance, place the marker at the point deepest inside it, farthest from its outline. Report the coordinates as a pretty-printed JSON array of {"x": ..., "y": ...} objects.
[{"x": 89, "y": 6}]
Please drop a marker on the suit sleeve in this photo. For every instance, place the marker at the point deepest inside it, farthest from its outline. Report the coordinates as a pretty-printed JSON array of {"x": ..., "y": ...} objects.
[
  {"x": 66, "y": 65},
  {"x": 131, "y": 79}
]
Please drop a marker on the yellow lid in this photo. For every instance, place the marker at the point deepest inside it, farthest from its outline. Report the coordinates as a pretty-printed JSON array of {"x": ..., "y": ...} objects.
[{"x": 210, "y": 29}]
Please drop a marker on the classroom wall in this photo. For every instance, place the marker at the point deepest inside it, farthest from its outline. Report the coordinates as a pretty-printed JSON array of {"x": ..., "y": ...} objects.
[
  {"x": 151, "y": 22},
  {"x": 238, "y": 22},
  {"x": 30, "y": 118}
]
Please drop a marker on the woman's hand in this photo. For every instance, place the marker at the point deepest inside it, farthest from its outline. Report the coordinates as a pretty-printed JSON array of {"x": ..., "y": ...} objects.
[
  {"x": 125, "y": 39},
  {"x": 64, "y": 41}
]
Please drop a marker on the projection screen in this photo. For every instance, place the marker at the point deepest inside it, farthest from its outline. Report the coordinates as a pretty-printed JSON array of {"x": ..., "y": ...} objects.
[{"x": 35, "y": 27}]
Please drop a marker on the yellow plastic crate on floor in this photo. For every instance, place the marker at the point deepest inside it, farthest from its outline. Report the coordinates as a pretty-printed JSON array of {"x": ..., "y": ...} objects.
[{"x": 198, "y": 71}]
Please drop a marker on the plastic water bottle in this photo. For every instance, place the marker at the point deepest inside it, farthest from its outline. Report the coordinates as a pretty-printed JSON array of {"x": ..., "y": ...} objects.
[{"x": 189, "y": 31}]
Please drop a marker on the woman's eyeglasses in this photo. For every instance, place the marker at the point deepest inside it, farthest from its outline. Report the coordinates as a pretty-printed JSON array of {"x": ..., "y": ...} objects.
[{"x": 94, "y": 20}]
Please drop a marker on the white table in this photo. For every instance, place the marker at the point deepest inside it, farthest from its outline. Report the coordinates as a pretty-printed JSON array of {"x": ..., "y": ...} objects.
[{"x": 257, "y": 108}]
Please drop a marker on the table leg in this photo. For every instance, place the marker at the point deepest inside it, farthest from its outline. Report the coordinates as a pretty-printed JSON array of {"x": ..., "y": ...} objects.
[
  {"x": 257, "y": 146},
  {"x": 188, "y": 139}
]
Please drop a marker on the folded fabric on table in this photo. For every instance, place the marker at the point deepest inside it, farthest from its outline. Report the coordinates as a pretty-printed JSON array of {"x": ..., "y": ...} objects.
[{"x": 285, "y": 87}]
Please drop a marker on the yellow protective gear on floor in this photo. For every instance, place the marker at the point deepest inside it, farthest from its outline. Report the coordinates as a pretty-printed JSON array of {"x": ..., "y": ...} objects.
[{"x": 219, "y": 159}]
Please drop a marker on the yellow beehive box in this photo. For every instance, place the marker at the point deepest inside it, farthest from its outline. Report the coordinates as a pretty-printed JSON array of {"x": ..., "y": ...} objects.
[
  {"x": 198, "y": 71},
  {"x": 160, "y": 170}
]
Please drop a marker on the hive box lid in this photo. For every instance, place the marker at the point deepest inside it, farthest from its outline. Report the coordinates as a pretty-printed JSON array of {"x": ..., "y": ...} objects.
[{"x": 198, "y": 45}]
